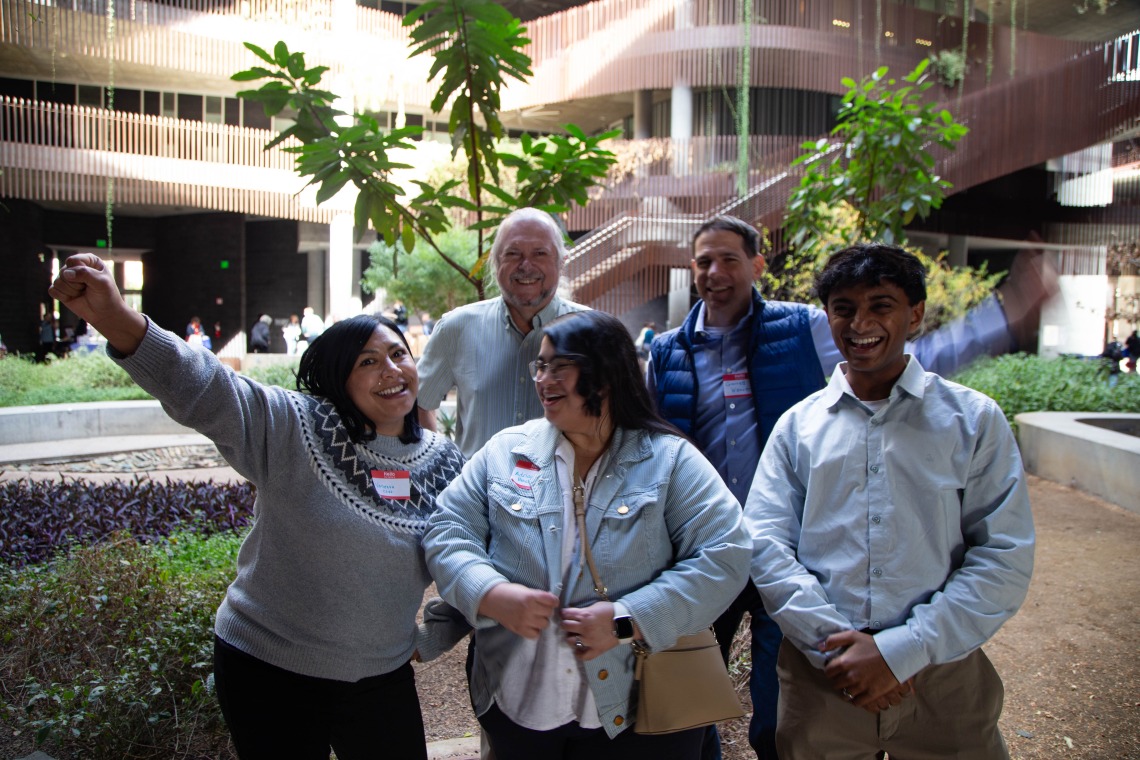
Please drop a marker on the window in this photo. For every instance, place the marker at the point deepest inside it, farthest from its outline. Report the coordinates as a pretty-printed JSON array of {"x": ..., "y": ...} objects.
[
  {"x": 91, "y": 96},
  {"x": 213, "y": 112}
]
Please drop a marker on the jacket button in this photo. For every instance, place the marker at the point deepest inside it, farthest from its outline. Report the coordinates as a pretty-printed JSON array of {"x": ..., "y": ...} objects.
[
  {"x": 516, "y": 506},
  {"x": 619, "y": 720},
  {"x": 603, "y": 675},
  {"x": 623, "y": 509}
]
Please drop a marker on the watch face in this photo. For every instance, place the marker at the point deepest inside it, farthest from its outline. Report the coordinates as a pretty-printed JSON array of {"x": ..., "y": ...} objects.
[{"x": 623, "y": 627}]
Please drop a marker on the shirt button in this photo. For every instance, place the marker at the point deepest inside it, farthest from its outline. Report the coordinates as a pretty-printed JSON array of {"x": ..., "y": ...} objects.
[
  {"x": 732, "y": 406},
  {"x": 516, "y": 506},
  {"x": 518, "y": 415},
  {"x": 874, "y": 468},
  {"x": 619, "y": 720},
  {"x": 623, "y": 509},
  {"x": 876, "y": 624},
  {"x": 734, "y": 480},
  {"x": 732, "y": 442},
  {"x": 603, "y": 674},
  {"x": 876, "y": 519},
  {"x": 877, "y": 572}
]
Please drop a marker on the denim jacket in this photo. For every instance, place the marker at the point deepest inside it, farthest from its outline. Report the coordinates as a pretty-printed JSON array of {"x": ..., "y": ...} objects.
[{"x": 665, "y": 532}]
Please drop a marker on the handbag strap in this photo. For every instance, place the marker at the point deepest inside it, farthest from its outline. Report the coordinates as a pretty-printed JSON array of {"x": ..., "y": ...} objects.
[{"x": 579, "y": 492}]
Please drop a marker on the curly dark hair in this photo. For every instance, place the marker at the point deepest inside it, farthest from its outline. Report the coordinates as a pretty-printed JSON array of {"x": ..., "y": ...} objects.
[
  {"x": 607, "y": 366},
  {"x": 872, "y": 264},
  {"x": 327, "y": 363}
]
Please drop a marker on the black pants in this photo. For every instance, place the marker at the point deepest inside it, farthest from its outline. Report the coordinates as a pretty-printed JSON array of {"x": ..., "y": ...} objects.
[
  {"x": 274, "y": 713},
  {"x": 511, "y": 741}
]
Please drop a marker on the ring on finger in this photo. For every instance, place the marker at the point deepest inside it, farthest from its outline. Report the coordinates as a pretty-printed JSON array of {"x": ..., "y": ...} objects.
[
  {"x": 847, "y": 695},
  {"x": 578, "y": 643}
]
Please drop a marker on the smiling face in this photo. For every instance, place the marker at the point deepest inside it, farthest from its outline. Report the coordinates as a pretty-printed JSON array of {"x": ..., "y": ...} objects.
[
  {"x": 724, "y": 274},
  {"x": 557, "y": 389},
  {"x": 384, "y": 382},
  {"x": 527, "y": 267},
  {"x": 870, "y": 324}
]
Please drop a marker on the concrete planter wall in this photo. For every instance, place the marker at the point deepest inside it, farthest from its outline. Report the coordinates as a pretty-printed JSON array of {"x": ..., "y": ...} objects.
[{"x": 1092, "y": 452}]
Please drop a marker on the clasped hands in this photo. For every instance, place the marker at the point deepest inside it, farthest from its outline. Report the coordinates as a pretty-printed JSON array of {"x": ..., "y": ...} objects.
[
  {"x": 860, "y": 673},
  {"x": 525, "y": 611}
]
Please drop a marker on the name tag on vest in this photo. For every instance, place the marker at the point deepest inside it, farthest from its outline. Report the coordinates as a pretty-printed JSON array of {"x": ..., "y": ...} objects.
[
  {"x": 392, "y": 484},
  {"x": 524, "y": 474},
  {"x": 736, "y": 385}
]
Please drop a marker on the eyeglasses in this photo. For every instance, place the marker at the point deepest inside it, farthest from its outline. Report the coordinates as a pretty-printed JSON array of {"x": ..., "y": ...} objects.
[{"x": 556, "y": 368}]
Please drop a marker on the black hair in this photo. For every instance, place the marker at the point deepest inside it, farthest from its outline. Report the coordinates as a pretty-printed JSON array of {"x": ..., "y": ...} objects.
[
  {"x": 327, "y": 363},
  {"x": 872, "y": 264},
  {"x": 607, "y": 366},
  {"x": 731, "y": 224}
]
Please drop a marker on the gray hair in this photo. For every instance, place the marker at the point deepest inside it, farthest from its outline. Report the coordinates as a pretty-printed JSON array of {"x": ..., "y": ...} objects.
[{"x": 557, "y": 234}]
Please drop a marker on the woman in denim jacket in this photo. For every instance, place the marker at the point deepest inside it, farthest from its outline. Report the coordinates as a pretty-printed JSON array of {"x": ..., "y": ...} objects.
[{"x": 552, "y": 674}]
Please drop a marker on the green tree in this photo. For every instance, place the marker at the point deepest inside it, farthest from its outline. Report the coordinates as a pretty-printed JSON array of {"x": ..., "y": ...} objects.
[
  {"x": 876, "y": 161},
  {"x": 421, "y": 279},
  {"x": 950, "y": 291},
  {"x": 476, "y": 45}
]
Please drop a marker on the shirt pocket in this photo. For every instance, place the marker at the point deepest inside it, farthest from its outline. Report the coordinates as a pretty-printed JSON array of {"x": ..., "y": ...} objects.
[
  {"x": 515, "y": 541},
  {"x": 630, "y": 538}
]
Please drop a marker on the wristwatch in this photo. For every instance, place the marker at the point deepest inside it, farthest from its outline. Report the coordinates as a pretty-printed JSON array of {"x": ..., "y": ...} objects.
[{"x": 623, "y": 629}]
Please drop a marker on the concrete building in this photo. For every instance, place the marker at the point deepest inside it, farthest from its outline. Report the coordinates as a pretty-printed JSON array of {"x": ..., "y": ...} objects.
[{"x": 120, "y": 133}]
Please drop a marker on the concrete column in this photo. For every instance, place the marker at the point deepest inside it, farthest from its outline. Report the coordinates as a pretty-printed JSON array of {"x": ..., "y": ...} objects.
[
  {"x": 343, "y": 302},
  {"x": 957, "y": 250},
  {"x": 643, "y": 114},
  {"x": 317, "y": 285},
  {"x": 680, "y": 284},
  {"x": 681, "y": 125},
  {"x": 681, "y": 121}
]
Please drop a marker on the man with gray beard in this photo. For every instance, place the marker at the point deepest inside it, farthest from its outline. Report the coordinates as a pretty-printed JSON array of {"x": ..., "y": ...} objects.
[{"x": 482, "y": 349}]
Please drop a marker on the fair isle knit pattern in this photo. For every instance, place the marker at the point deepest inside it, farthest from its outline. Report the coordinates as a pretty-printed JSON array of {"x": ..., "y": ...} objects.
[{"x": 345, "y": 469}]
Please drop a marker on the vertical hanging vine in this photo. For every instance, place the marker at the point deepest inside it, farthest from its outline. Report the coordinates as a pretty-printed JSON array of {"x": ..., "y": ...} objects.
[
  {"x": 965, "y": 46},
  {"x": 1013, "y": 37},
  {"x": 878, "y": 30},
  {"x": 108, "y": 210},
  {"x": 743, "y": 96},
  {"x": 990, "y": 42}
]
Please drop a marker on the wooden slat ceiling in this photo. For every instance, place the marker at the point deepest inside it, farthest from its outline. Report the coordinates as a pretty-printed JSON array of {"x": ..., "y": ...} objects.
[{"x": 1068, "y": 19}]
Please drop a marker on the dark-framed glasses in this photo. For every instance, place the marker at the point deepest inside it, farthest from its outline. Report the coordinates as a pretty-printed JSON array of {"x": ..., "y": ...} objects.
[{"x": 556, "y": 367}]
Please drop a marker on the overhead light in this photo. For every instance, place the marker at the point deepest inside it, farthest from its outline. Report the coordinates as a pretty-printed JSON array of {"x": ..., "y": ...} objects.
[
  {"x": 920, "y": 41},
  {"x": 840, "y": 23},
  {"x": 888, "y": 34}
]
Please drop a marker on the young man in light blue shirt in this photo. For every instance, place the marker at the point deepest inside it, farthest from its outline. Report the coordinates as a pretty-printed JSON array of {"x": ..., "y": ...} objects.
[{"x": 892, "y": 537}]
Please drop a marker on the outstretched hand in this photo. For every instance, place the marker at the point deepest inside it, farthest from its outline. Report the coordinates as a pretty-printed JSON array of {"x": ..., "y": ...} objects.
[
  {"x": 1032, "y": 281},
  {"x": 85, "y": 286}
]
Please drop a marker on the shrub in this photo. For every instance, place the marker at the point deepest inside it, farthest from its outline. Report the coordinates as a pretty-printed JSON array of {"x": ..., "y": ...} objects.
[
  {"x": 39, "y": 518},
  {"x": 283, "y": 375},
  {"x": 80, "y": 377},
  {"x": 1027, "y": 383},
  {"x": 107, "y": 653}
]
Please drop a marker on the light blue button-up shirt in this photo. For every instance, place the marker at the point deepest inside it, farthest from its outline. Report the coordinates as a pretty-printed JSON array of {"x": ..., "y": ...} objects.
[{"x": 913, "y": 520}]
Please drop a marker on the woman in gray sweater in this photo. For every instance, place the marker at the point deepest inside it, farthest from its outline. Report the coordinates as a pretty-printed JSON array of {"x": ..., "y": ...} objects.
[{"x": 314, "y": 636}]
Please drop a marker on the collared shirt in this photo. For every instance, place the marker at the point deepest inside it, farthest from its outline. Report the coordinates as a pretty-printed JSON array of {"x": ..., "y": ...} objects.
[
  {"x": 479, "y": 351},
  {"x": 726, "y": 426},
  {"x": 913, "y": 520}
]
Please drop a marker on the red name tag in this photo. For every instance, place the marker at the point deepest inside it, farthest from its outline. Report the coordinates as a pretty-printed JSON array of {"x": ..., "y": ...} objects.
[
  {"x": 392, "y": 484},
  {"x": 524, "y": 474}
]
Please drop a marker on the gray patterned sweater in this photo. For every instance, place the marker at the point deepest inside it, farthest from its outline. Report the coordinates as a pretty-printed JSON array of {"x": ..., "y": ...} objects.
[{"x": 331, "y": 576}]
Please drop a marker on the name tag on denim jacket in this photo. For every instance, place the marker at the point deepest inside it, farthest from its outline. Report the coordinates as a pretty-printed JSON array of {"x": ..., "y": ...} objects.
[
  {"x": 392, "y": 484},
  {"x": 736, "y": 385},
  {"x": 524, "y": 474}
]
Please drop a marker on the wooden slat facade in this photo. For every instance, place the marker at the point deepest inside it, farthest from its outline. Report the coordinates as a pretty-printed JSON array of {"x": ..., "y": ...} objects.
[{"x": 1021, "y": 112}]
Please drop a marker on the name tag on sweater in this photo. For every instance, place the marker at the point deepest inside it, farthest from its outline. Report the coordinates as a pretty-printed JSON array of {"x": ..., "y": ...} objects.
[
  {"x": 524, "y": 474},
  {"x": 736, "y": 385},
  {"x": 393, "y": 484}
]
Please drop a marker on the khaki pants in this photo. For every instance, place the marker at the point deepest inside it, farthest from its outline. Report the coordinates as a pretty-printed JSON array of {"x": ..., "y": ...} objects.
[{"x": 952, "y": 713}]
